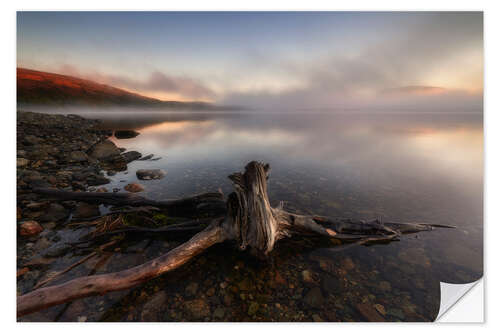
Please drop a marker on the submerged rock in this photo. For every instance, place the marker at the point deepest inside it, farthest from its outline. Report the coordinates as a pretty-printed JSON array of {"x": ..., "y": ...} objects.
[
  {"x": 134, "y": 187},
  {"x": 145, "y": 174}
]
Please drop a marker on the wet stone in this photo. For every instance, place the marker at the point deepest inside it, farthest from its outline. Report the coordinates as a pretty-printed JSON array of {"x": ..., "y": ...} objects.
[{"x": 134, "y": 187}]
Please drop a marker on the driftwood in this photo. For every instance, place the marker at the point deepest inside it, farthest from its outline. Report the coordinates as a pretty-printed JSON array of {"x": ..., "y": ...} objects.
[{"x": 249, "y": 220}]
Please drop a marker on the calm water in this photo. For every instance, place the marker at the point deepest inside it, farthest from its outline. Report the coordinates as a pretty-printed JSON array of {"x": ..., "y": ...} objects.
[{"x": 397, "y": 167}]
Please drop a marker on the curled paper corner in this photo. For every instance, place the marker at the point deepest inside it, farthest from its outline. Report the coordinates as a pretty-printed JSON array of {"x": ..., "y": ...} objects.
[{"x": 459, "y": 304}]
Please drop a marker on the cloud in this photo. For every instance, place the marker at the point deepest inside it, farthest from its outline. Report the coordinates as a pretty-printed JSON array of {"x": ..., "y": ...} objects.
[
  {"x": 156, "y": 83},
  {"x": 433, "y": 62},
  {"x": 162, "y": 83}
]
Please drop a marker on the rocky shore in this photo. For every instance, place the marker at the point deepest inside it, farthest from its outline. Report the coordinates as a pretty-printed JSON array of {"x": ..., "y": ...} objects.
[{"x": 63, "y": 152}]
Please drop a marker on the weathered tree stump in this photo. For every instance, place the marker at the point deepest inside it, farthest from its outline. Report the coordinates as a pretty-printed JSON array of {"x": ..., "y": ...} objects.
[{"x": 248, "y": 219}]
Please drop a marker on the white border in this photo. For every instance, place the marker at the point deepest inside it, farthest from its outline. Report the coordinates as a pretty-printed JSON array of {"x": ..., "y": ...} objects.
[{"x": 492, "y": 165}]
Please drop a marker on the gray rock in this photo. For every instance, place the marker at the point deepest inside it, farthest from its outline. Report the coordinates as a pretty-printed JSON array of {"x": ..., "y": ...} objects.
[
  {"x": 131, "y": 156},
  {"x": 104, "y": 150},
  {"x": 145, "y": 174}
]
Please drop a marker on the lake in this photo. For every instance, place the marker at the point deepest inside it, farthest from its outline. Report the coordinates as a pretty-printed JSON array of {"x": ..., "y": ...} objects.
[{"x": 397, "y": 167}]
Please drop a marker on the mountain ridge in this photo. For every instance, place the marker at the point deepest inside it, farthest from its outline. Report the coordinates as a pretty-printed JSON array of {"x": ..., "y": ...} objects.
[{"x": 51, "y": 89}]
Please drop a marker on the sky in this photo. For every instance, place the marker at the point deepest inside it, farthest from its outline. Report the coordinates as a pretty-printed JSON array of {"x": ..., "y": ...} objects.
[{"x": 269, "y": 60}]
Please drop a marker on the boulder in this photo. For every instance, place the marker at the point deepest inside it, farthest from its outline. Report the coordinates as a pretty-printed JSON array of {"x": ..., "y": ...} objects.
[
  {"x": 104, "y": 150},
  {"x": 134, "y": 187},
  {"x": 131, "y": 156},
  {"x": 30, "y": 228},
  {"x": 145, "y": 174}
]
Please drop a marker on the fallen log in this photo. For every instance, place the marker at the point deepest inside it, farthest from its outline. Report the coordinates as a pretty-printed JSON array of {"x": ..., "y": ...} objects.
[
  {"x": 204, "y": 203},
  {"x": 250, "y": 221}
]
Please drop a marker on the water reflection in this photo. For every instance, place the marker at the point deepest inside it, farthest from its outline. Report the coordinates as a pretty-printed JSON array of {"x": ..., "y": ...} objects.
[{"x": 397, "y": 167}]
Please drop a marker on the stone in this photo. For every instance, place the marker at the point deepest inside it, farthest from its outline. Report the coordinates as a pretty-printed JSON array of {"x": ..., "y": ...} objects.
[
  {"x": 219, "y": 313},
  {"x": 94, "y": 180},
  {"x": 104, "y": 150},
  {"x": 85, "y": 210},
  {"x": 126, "y": 134},
  {"x": 134, "y": 187},
  {"x": 369, "y": 312},
  {"x": 30, "y": 228},
  {"x": 314, "y": 298},
  {"x": 42, "y": 244},
  {"x": 78, "y": 156},
  {"x": 153, "y": 309},
  {"x": 55, "y": 212},
  {"x": 22, "y": 271},
  {"x": 347, "y": 264},
  {"x": 307, "y": 276},
  {"x": 131, "y": 156},
  {"x": 145, "y": 174},
  {"x": 22, "y": 162},
  {"x": 253, "y": 308},
  {"x": 197, "y": 308}
]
